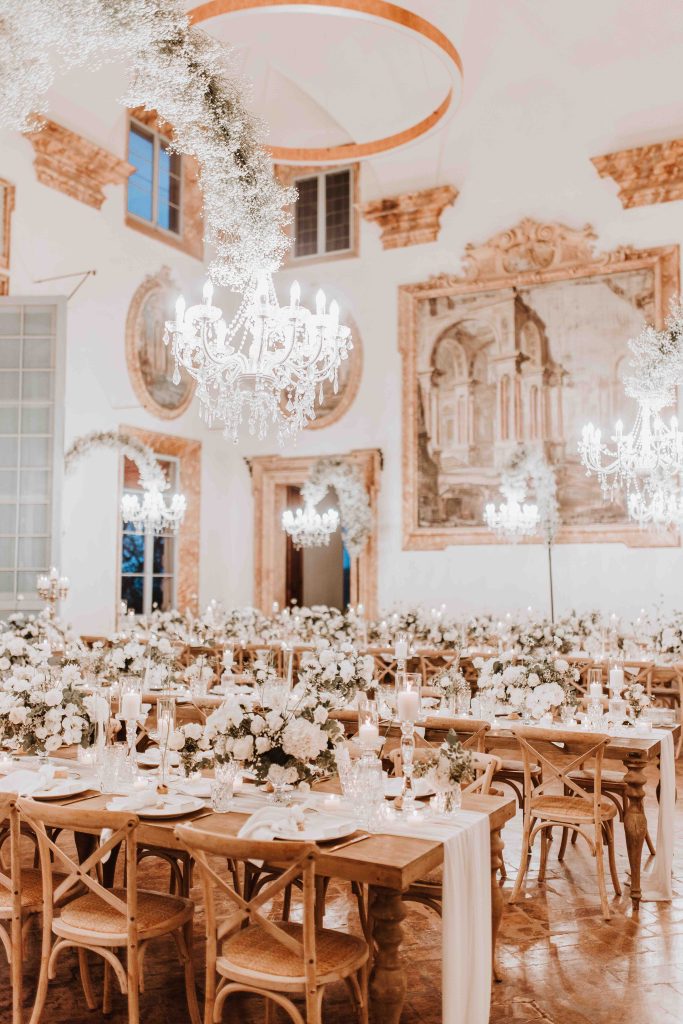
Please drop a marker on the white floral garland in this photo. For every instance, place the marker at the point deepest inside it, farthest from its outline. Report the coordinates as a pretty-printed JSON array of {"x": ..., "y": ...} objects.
[
  {"x": 528, "y": 465},
  {"x": 354, "y": 503},
  {"x": 151, "y": 473},
  {"x": 181, "y": 73}
]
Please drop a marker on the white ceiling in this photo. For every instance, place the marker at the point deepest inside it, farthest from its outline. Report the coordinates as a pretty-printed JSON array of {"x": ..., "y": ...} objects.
[{"x": 607, "y": 72}]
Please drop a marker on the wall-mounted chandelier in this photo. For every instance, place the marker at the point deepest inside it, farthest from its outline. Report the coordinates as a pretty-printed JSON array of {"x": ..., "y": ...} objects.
[
  {"x": 267, "y": 366},
  {"x": 511, "y": 518},
  {"x": 153, "y": 514},
  {"x": 309, "y": 528},
  {"x": 650, "y": 449}
]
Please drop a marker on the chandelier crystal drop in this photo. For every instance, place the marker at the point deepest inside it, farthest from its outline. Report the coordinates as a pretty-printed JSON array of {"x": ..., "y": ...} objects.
[
  {"x": 267, "y": 366},
  {"x": 309, "y": 528},
  {"x": 512, "y": 518},
  {"x": 153, "y": 514},
  {"x": 650, "y": 449}
]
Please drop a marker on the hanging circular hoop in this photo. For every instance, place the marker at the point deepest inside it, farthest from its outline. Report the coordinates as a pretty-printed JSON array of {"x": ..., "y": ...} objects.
[{"x": 374, "y": 10}]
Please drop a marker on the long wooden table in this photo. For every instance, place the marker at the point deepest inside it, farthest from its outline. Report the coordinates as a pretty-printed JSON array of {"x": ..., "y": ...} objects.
[{"x": 387, "y": 864}]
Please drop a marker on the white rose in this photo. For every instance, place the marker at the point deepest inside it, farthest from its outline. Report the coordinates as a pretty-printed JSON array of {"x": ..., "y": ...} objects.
[
  {"x": 258, "y": 724},
  {"x": 346, "y": 670},
  {"x": 561, "y": 665},
  {"x": 176, "y": 740},
  {"x": 18, "y": 715},
  {"x": 263, "y": 744},
  {"x": 320, "y": 715},
  {"x": 193, "y": 731},
  {"x": 243, "y": 749},
  {"x": 16, "y": 646},
  {"x": 52, "y": 742},
  {"x": 274, "y": 720},
  {"x": 4, "y": 664},
  {"x": 53, "y": 697}
]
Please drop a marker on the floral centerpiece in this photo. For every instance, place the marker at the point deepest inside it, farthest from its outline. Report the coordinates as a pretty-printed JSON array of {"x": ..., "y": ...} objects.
[
  {"x": 41, "y": 711},
  {"x": 446, "y": 769},
  {"x": 336, "y": 674},
  {"x": 453, "y": 687},
  {"x": 534, "y": 638},
  {"x": 191, "y": 742},
  {"x": 281, "y": 746},
  {"x": 637, "y": 697},
  {"x": 531, "y": 686}
]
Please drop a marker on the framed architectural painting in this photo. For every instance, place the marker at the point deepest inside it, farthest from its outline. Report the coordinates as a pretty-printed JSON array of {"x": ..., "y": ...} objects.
[
  {"x": 527, "y": 346},
  {"x": 150, "y": 362}
]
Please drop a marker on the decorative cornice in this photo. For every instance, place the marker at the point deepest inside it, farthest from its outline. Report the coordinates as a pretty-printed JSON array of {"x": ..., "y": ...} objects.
[
  {"x": 412, "y": 218},
  {"x": 71, "y": 164},
  {"x": 645, "y": 175}
]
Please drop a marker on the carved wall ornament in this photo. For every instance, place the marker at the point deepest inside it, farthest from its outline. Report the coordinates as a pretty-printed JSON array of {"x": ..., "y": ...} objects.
[
  {"x": 645, "y": 175},
  {"x": 75, "y": 166},
  {"x": 524, "y": 346},
  {"x": 150, "y": 362},
  {"x": 271, "y": 475},
  {"x": 412, "y": 218}
]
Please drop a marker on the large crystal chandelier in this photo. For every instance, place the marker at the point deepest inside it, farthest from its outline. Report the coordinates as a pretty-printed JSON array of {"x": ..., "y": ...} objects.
[
  {"x": 512, "y": 518},
  {"x": 309, "y": 528},
  {"x": 267, "y": 365},
  {"x": 649, "y": 450},
  {"x": 153, "y": 514}
]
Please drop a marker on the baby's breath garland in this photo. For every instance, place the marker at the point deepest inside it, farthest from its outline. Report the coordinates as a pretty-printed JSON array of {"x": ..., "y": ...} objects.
[{"x": 185, "y": 76}]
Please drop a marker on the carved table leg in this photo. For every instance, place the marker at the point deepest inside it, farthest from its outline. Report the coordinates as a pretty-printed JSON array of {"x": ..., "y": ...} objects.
[
  {"x": 387, "y": 981},
  {"x": 497, "y": 847},
  {"x": 635, "y": 823}
]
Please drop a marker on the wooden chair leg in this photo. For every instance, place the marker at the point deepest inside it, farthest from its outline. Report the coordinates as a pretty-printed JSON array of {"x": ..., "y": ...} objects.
[
  {"x": 563, "y": 845},
  {"x": 183, "y": 939},
  {"x": 287, "y": 904},
  {"x": 609, "y": 834},
  {"x": 545, "y": 843},
  {"x": 524, "y": 860},
  {"x": 86, "y": 980},
  {"x": 106, "y": 990},
  {"x": 600, "y": 867}
]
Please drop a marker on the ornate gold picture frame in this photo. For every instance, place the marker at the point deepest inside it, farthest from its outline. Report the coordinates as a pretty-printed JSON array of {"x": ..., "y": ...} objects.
[{"x": 525, "y": 346}]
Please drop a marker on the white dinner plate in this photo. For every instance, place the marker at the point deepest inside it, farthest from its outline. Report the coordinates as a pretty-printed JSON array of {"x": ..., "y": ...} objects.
[
  {"x": 171, "y": 806},
  {"x": 394, "y": 787},
  {"x": 319, "y": 828},
  {"x": 193, "y": 787},
  {"x": 151, "y": 758},
  {"x": 65, "y": 787}
]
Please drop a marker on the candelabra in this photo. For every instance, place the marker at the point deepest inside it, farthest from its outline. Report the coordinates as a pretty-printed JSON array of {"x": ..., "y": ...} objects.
[
  {"x": 308, "y": 528},
  {"x": 52, "y": 588}
]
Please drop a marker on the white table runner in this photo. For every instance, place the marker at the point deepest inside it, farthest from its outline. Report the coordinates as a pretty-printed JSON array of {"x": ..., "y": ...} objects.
[{"x": 657, "y": 882}]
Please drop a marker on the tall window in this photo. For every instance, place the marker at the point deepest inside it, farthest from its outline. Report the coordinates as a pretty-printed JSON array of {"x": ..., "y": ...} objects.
[
  {"x": 154, "y": 188},
  {"x": 31, "y": 444},
  {"x": 323, "y": 222},
  {"x": 148, "y": 563}
]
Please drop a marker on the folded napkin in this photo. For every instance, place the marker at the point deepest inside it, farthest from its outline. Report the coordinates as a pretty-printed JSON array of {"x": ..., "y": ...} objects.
[
  {"x": 194, "y": 787},
  {"x": 260, "y": 825},
  {"x": 24, "y": 782}
]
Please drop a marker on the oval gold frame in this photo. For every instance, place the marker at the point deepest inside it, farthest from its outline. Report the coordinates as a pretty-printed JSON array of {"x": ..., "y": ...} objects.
[
  {"x": 377, "y": 10},
  {"x": 160, "y": 281}
]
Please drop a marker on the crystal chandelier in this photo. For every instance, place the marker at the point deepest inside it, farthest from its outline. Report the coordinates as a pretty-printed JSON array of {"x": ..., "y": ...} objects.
[
  {"x": 153, "y": 514},
  {"x": 651, "y": 448},
  {"x": 267, "y": 365},
  {"x": 512, "y": 518},
  {"x": 662, "y": 507},
  {"x": 308, "y": 528}
]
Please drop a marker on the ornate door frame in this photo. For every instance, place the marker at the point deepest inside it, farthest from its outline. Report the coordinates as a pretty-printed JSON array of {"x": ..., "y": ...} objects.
[{"x": 270, "y": 477}]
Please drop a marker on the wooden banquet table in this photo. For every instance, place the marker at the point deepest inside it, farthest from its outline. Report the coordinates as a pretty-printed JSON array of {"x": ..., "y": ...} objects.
[{"x": 387, "y": 864}]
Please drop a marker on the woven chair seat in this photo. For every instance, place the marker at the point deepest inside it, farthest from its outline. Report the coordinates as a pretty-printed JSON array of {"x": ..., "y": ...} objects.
[
  {"x": 510, "y": 765},
  {"x": 570, "y": 808},
  {"x": 156, "y": 913},
  {"x": 609, "y": 778},
  {"x": 31, "y": 892},
  {"x": 255, "y": 953}
]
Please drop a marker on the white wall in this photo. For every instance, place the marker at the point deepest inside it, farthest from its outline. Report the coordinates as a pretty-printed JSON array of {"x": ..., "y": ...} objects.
[{"x": 535, "y": 164}]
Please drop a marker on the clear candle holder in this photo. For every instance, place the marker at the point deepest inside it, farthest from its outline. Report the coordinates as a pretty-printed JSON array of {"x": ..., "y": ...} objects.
[
  {"x": 165, "y": 727},
  {"x": 368, "y": 727},
  {"x": 408, "y": 706}
]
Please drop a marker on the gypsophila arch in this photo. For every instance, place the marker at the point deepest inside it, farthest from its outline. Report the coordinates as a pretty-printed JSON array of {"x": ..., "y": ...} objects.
[
  {"x": 187, "y": 78},
  {"x": 151, "y": 473},
  {"x": 354, "y": 503}
]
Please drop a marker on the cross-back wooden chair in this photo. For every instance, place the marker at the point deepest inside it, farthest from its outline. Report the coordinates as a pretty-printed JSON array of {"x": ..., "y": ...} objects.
[
  {"x": 21, "y": 898},
  {"x": 247, "y": 951},
  {"x": 590, "y": 815},
  {"x": 431, "y": 662},
  {"x": 101, "y": 920}
]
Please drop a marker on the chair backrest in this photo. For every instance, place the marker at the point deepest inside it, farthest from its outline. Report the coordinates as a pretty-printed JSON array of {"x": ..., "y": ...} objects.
[
  {"x": 121, "y": 826},
  {"x": 13, "y": 942},
  {"x": 560, "y": 752},
  {"x": 485, "y": 766},
  {"x": 296, "y": 859},
  {"x": 470, "y": 731}
]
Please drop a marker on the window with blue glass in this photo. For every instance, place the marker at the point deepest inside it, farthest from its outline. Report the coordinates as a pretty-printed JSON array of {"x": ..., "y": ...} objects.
[
  {"x": 154, "y": 187},
  {"x": 148, "y": 563}
]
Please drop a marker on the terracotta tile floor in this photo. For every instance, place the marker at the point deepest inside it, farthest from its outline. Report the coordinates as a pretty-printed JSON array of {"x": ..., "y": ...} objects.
[{"x": 562, "y": 963}]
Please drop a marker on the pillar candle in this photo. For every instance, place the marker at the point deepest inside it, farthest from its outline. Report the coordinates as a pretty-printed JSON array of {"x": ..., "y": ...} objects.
[
  {"x": 130, "y": 706},
  {"x": 408, "y": 706}
]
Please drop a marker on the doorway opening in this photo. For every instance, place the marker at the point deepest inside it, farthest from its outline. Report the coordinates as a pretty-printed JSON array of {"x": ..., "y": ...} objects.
[{"x": 320, "y": 575}]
